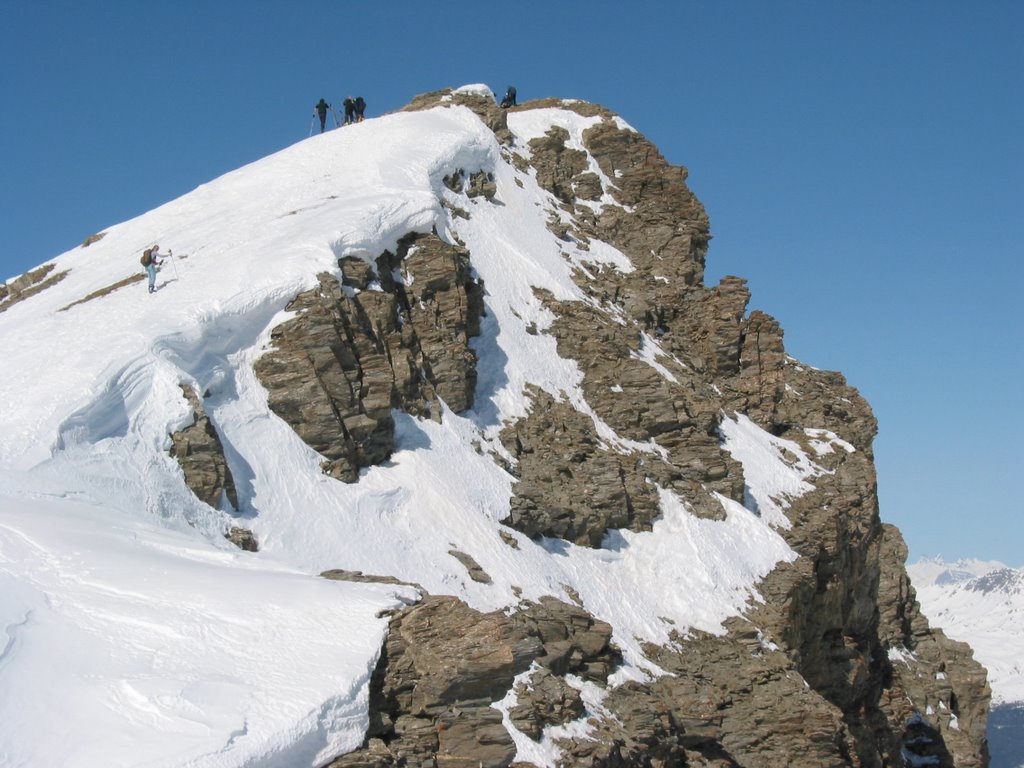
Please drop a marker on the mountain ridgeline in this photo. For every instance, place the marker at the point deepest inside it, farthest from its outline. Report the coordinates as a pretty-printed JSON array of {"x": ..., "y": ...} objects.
[{"x": 833, "y": 666}]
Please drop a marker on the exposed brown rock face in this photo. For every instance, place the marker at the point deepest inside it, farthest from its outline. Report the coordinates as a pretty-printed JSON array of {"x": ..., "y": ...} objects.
[
  {"x": 836, "y": 667},
  {"x": 479, "y": 184},
  {"x": 352, "y": 353},
  {"x": 444, "y": 664},
  {"x": 569, "y": 487},
  {"x": 938, "y": 675},
  {"x": 201, "y": 455},
  {"x": 547, "y": 700},
  {"x": 826, "y": 678},
  {"x": 728, "y": 701}
]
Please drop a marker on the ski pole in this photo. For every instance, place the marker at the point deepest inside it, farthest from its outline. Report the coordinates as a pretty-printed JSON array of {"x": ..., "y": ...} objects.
[
  {"x": 175, "y": 266},
  {"x": 311, "y": 124}
]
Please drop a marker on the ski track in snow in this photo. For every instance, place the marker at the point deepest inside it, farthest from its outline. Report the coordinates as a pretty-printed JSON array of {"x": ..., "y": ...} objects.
[{"x": 135, "y": 635}]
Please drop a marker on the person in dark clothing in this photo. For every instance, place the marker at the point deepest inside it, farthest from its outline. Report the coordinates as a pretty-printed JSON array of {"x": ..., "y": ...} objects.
[
  {"x": 321, "y": 110},
  {"x": 510, "y": 98},
  {"x": 360, "y": 108},
  {"x": 350, "y": 110}
]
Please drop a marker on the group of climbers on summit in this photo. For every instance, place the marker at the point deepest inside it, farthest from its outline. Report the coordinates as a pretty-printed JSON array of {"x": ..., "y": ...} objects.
[
  {"x": 355, "y": 109},
  {"x": 354, "y": 112}
]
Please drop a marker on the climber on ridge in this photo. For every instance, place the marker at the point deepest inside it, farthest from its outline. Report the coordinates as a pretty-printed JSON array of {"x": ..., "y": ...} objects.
[
  {"x": 350, "y": 110},
  {"x": 321, "y": 110},
  {"x": 151, "y": 258},
  {"x": 510, "y": 98},
  {"x": 360, "y": 108}
]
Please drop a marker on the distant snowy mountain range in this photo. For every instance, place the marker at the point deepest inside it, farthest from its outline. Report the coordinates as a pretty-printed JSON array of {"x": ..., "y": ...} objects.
[{"x": 981, "y": 603}]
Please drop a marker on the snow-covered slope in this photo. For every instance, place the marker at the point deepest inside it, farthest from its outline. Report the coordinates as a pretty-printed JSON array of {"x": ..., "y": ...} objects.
[
  {"x": 980, "y": 603},
  {"x": 132, "y": 632}
]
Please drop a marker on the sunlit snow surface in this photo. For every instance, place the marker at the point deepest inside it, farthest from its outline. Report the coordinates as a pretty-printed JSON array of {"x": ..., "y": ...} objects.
[{"x": 133, "y": 634}]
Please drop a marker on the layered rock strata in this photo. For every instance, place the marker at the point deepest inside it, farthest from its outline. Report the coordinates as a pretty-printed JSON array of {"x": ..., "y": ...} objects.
[{"x": 374, "y": 341}]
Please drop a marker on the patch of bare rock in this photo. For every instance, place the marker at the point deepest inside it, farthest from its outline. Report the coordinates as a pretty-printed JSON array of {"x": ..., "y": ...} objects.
[{"x": 29, "y": 284}]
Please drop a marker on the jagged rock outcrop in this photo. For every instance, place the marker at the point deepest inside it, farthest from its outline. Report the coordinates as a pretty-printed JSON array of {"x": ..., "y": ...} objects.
[
  {"x": 727, "y": 701},
  {"x": 823, "y": 610},
  {"x": 352, "y": 353},
  {"x": 928, "y": 669},
  {"x": 443, "y": 664},
  {"x": 658, "y": 222},
  {"x": 200, "y": 453},
  {"x": 479, "y": 184},
  {"x": 476, "y": 573},
  {"x": 834, "y": 667},
  {"x": 570, "y": 487}
]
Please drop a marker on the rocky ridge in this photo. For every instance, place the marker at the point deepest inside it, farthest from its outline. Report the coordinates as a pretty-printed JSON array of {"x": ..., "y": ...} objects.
[{"x": 836, "y": 667}]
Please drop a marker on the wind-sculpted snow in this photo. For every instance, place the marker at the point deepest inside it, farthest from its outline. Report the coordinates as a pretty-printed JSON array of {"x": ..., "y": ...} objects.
[{"x": 129, "y": 643}]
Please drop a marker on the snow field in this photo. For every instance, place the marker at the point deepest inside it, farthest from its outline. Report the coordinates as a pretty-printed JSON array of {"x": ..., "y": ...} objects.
[{"x": 131, "y": 644}]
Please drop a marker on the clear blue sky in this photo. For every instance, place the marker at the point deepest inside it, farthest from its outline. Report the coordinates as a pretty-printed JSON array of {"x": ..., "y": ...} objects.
[{"x": 861, "y": 162}]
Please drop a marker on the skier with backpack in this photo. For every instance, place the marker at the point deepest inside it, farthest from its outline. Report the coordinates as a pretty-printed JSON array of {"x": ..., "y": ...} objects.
[
  {"x": 510, "y": 98},
  {"x": 151, "y": 258},
  {"x": 360, "y": 106}
]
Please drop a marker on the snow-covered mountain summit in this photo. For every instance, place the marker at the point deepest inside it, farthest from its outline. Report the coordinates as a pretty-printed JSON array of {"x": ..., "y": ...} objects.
[
  {"x": 462, "y": 360},
  {"x": 929, "y": 571}
]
